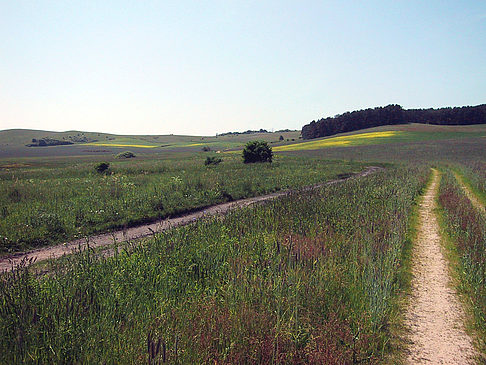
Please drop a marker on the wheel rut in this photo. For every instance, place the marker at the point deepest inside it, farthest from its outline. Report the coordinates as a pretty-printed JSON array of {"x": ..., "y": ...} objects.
[
  {"x": 7, "y": 263},
  {"x": 471, "y": 196},
  {"x": 435, "y": 317}
]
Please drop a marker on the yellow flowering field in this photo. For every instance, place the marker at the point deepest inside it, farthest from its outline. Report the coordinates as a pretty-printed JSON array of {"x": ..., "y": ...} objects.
[{"x": 341, "y": 141}]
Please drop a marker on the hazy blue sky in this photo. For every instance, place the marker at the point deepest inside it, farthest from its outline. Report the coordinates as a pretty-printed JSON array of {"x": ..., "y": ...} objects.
[{"x": 206, "y": 67}]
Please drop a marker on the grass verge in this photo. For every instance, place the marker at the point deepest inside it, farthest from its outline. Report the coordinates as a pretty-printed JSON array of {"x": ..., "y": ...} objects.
[{"x": 464, "y": 237}]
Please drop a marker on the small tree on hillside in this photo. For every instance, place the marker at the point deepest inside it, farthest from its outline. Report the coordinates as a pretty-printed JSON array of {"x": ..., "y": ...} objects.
[
  {"x": 281, "y": 138},
  {"x": 257, "y": 151},
  {"x": 102, "y": 167}
]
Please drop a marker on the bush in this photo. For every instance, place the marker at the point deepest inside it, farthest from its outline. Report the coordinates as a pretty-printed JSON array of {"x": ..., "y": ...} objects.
[
  {"x": 257, "y": 151},
  {"x": 206, "y": 149},
  {"x": 126, "y": 154},
  {"x": 212, "y": 161},
  {"x": 102, "y": 167},
  {"x": 281, "y": 138}
]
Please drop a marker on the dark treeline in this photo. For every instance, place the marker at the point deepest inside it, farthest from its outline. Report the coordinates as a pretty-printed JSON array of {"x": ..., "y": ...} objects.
[
  {"x": 393, "y": 114},
  {"x": 245, "y": 132}
]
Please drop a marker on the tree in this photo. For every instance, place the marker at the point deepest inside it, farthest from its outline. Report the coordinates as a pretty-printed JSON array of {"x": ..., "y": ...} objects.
[
  {"x": 257, "y": 151},
  {"x": 281, "y": 138},
  {"x": 102, "y": 167}
]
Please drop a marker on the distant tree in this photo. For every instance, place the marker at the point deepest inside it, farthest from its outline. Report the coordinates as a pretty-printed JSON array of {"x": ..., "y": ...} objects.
[
  {"x": 257, "y": 151},
  {"x": 102, "y": 167},
  {"x": 206, "y": 148},
  {"x": 281, "y": 138}
]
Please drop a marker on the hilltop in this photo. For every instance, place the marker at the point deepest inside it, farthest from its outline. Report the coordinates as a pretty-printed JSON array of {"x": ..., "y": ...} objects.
[
  {"x": 30, "y": 143},
  {"x": 391, "y": 115}
]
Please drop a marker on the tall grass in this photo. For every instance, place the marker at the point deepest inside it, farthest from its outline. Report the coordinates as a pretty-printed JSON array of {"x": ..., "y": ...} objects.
[
  {"x": 475, "y": 176},
  {"x": 308, "y": 278},
  {"x": 467, "y": 228},
  {"x": 40, "y": 206}
]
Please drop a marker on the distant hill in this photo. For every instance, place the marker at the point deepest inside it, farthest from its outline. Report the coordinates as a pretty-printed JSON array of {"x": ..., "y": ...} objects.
[
  {"x": 393, "y": 114},
  {"x": 36, "y": 143},
  {"x": 42, "y": 138}
]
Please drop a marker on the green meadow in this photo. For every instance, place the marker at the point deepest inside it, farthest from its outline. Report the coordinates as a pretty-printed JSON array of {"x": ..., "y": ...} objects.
[
  {"x": 317, "y": 276},
  {"x": 42, "y": 204}
]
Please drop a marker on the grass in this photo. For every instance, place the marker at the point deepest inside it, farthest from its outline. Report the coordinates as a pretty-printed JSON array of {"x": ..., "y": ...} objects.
[
  {"x": 119, "y": 145},
  {"x": 463, "y": 151},
  {"x": 350, "y": 140},
  {"x": 315, "y": 277},
  {"x": 309, "y": 278},
  {"x": 466, "y": 230},
  {"x": 13, "y": 142},
  {"x": 372, "y": 138},
  {"x": 41, "y": 205},
  {"x": 473, "y": 174},
  {"x": 401, "y": 301}
]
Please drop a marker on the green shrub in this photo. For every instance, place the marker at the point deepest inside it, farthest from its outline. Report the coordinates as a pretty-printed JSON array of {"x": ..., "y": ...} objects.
[
  {"x": 257, "y": 151},
  {"x": 212, "y": 160},
  {"x": 126, "y": 154},
  {"x": 102, "y": 167}
]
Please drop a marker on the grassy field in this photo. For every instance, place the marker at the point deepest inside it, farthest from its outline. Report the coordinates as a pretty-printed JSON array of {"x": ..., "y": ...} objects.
[
  {"x": 466, "y": 228},
  {"x": 13, "y": 143},
  {"x": 308, "y": 278},
  {"x": 401, "y": 134},
  {"x": 315, "y": 277},
  {"x": 48, "y": 203}
]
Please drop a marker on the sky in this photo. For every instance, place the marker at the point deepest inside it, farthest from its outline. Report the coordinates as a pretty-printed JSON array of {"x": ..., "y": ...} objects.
[{"x": 207, "y": 67}]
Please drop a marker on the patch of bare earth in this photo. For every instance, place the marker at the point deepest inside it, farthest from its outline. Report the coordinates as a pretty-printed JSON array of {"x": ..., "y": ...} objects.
[{"x": 435, "y": 317}]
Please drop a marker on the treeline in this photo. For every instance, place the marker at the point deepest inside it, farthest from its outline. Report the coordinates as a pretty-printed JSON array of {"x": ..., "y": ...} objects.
[
  {"x": 44, "y": 142},
  {"x": 245, "y": 132},
  {"x": 393, "y": 114}
]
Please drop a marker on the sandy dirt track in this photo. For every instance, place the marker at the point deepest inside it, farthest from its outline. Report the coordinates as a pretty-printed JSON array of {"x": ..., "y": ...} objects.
[
  {"x": 435, "y": 317},
  {"x": 9, "y": 262},
  {"x": 472, "y": 197}
]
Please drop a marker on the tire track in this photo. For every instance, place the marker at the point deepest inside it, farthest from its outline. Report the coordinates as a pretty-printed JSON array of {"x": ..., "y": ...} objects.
[
  {"x": 8, "y": 263},
  {"x": 470, "y": 195}
]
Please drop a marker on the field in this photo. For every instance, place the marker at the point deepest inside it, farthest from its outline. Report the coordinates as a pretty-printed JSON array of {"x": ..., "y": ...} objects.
[
  {"x": 294, "y": 267},
  {"x": 390, "y": 134},
  {"x": 318, "y": 276},
  {"x": 13, "y": 143},
  {"x": 43, "y": 204},
  {"x": 466, "y": 228}
]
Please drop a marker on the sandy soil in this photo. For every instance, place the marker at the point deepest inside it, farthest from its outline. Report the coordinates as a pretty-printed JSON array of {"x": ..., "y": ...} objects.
[
  {"x": 435, "y": 317},
  {"x": 7, "y": 263}
]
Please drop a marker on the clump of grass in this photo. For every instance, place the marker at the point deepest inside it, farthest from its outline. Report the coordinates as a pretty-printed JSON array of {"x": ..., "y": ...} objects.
[
  {"x": 126, "y": 154},
  {"x": 212, "y": 160}
]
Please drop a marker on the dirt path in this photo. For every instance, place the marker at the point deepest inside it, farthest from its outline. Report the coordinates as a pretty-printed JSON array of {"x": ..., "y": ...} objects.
[
  {"x": 435, "y": 316},
  {"x": 472, "y": 197},
  {"x": 9, "y": 262}
]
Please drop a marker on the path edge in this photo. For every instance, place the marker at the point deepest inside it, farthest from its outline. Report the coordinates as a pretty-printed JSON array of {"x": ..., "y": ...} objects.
[
  {"x": 452, "y": 256},
  {"x": 398, "y": 330}
]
